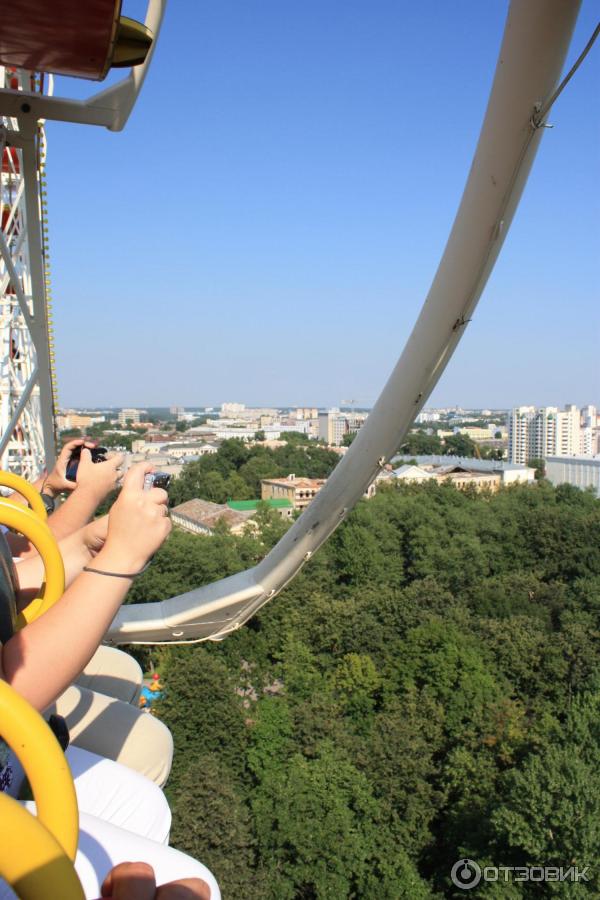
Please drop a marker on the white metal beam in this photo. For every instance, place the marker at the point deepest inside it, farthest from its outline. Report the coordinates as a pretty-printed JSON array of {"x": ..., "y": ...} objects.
[{"x": 534, "y": 47}]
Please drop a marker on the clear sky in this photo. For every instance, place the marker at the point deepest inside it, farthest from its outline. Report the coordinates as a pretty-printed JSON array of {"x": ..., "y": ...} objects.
[{"x": 266, "y": 227}]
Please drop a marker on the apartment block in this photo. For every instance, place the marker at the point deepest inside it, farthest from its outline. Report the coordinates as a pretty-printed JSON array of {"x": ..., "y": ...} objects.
[
  {"x": 333, "y": 425},
  {"x": 539, "y": 432},
  {"x": 130, "y": 415}
]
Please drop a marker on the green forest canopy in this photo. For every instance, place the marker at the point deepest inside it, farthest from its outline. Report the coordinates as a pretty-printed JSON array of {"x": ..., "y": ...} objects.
[{"x": 427, "y": 689}]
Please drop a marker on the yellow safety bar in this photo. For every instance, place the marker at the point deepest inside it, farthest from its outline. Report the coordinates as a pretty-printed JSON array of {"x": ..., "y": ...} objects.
[
  {"x": 31, "y": 860},
  {"x": 18, "y": 484},
  {"x": 46, "y": 767},
  {"x": 27, "y": 523}
]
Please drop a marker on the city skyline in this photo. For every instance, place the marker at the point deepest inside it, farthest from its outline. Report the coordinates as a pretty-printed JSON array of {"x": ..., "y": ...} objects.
[{"x": 278, "y": 243}]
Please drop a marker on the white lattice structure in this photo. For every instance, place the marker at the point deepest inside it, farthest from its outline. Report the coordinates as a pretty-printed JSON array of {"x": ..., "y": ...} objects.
[{"x": 27, "y": 384}]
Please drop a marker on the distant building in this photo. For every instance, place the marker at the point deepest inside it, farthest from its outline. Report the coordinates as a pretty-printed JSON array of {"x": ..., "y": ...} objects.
[
  {"x": 307, "y": 412},
  {"x": 189, "y": 449},
  {"x": 177, "y": 411},
  {"x": 333, "y": 425},
  {"x": 231, "y": 410},
  {"x": 427, "y": 416},
  {"x": 410, "y": 473},
  {"x": 130, "y": 415},
  {"x": 202, "y": 516},
  {"x": 76, "y": 420},
  {"x": 480, "y": 434},
  {"x": 440, "y": 466},
  {"x": 299, "y": 491},
  {"x": 460, "y": 476},
  {"x": 580, "y": 471},
  {"x": 537, "y": 433}
]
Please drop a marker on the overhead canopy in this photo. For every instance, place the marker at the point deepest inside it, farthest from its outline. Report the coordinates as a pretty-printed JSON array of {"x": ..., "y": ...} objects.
[{"x": 84, "y": 38}]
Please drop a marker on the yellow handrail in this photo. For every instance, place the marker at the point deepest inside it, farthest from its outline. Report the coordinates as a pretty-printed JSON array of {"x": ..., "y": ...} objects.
[
  {"x": 18, "y": 484},
  {"x": 46, "y": 767},
  {"x": 27, "y": 523},
  {"x": 31, "y": 860}
]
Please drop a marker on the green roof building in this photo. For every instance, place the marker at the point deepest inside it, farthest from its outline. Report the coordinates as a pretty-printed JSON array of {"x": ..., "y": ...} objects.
[{"x": 284, "y": 507}]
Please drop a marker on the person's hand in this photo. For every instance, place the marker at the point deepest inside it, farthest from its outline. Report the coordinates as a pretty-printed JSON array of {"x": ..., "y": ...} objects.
[
  {"x": 138, "y": 523},
  {"x": 135, "y": 881},
  {"x": 94, "y": 534},
  {"x": 57, "y": 482},
  {"x": 100, "y": 478}
]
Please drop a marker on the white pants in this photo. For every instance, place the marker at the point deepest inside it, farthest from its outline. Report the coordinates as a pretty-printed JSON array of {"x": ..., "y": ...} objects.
[
  {"x": 123, "y": 817},
  {"x": 102, "y": 846},
  {"x": 116, "y": 794}
]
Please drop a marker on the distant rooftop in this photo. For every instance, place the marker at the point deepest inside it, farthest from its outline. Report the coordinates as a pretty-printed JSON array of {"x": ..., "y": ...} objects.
[
  {"x": 251, "y": 505},
  {"x": 469, "y": 462}
]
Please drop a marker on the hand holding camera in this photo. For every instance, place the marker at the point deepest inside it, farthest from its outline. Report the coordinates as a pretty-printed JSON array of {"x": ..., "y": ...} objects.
[
  {"x": 138, "y": 523},
  {"x": 98, "y": 455},
  {"x": 97, "y": 473},
  {"x": 58, "y": 481},
  {"x": 157, "y": 480}
]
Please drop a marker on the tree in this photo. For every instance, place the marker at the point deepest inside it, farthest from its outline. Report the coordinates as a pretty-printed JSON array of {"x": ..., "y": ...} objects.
[
  {"x": 417, "y": 443},
  {"x": 459, "y": 445},
  {"x": 201, "y": 708},
  {"x": 426, "y": 689},
  {"x": 212, "y": 823},
  {"x": 539, "y": 465},
  {"x": 317, "y": 820}
]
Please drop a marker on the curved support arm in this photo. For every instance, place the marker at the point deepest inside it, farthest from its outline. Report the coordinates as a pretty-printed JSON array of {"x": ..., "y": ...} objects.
[{"x": 536, "y": 39}]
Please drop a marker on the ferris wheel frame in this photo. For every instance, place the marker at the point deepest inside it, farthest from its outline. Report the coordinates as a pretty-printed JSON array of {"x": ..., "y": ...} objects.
[{"x": 536, "y": 39}]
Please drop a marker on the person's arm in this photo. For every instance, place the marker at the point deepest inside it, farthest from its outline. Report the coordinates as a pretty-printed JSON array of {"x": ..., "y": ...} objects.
[
  {"x": 42, "y": 659},
  {"x": 94, "y": 482},
  {"x": 76, "y": 550}
]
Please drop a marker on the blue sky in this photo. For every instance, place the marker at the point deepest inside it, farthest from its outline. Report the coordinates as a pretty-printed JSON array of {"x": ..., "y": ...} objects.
[{"x": 266, "y": 227}]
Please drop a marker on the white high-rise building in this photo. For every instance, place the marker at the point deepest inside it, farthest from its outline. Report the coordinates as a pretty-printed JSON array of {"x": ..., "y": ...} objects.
[
  {"x": 589, "y": 416},
  {"x": 568, "y": 431},
  {"x": 231, "y": 410},
  {"x": 333, "y": 425},
  {"x": 535, "y": 433},
  {"x": 129, "y": 415}
]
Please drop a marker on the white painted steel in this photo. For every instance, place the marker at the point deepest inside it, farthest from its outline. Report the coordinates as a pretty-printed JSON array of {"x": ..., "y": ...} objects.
[
  {"x": 533, "y": 51},
  {"x": 26, "y": 388}
]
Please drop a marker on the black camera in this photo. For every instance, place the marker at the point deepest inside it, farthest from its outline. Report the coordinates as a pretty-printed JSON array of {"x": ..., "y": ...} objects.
[
  {"x": 98, "y": 455},
  {"x": 156, "y": 479}
]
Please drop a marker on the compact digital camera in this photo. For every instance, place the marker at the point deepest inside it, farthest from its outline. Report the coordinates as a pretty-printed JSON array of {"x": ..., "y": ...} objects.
[
  {"x": 156, "y": 479},
  {"x": 98, "y": 455}
]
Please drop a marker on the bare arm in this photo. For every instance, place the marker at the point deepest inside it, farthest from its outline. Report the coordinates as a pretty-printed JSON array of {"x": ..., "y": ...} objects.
[
  {"x": 76, "y": 550},
  {"x": 94, "y": 482},
  {"x": 42, "y": 659}
]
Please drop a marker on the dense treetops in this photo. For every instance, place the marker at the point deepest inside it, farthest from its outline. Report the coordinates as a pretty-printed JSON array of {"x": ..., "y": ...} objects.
[
  {"x": 235, "y": 472},
  {"x": 427, "y": 689}
]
